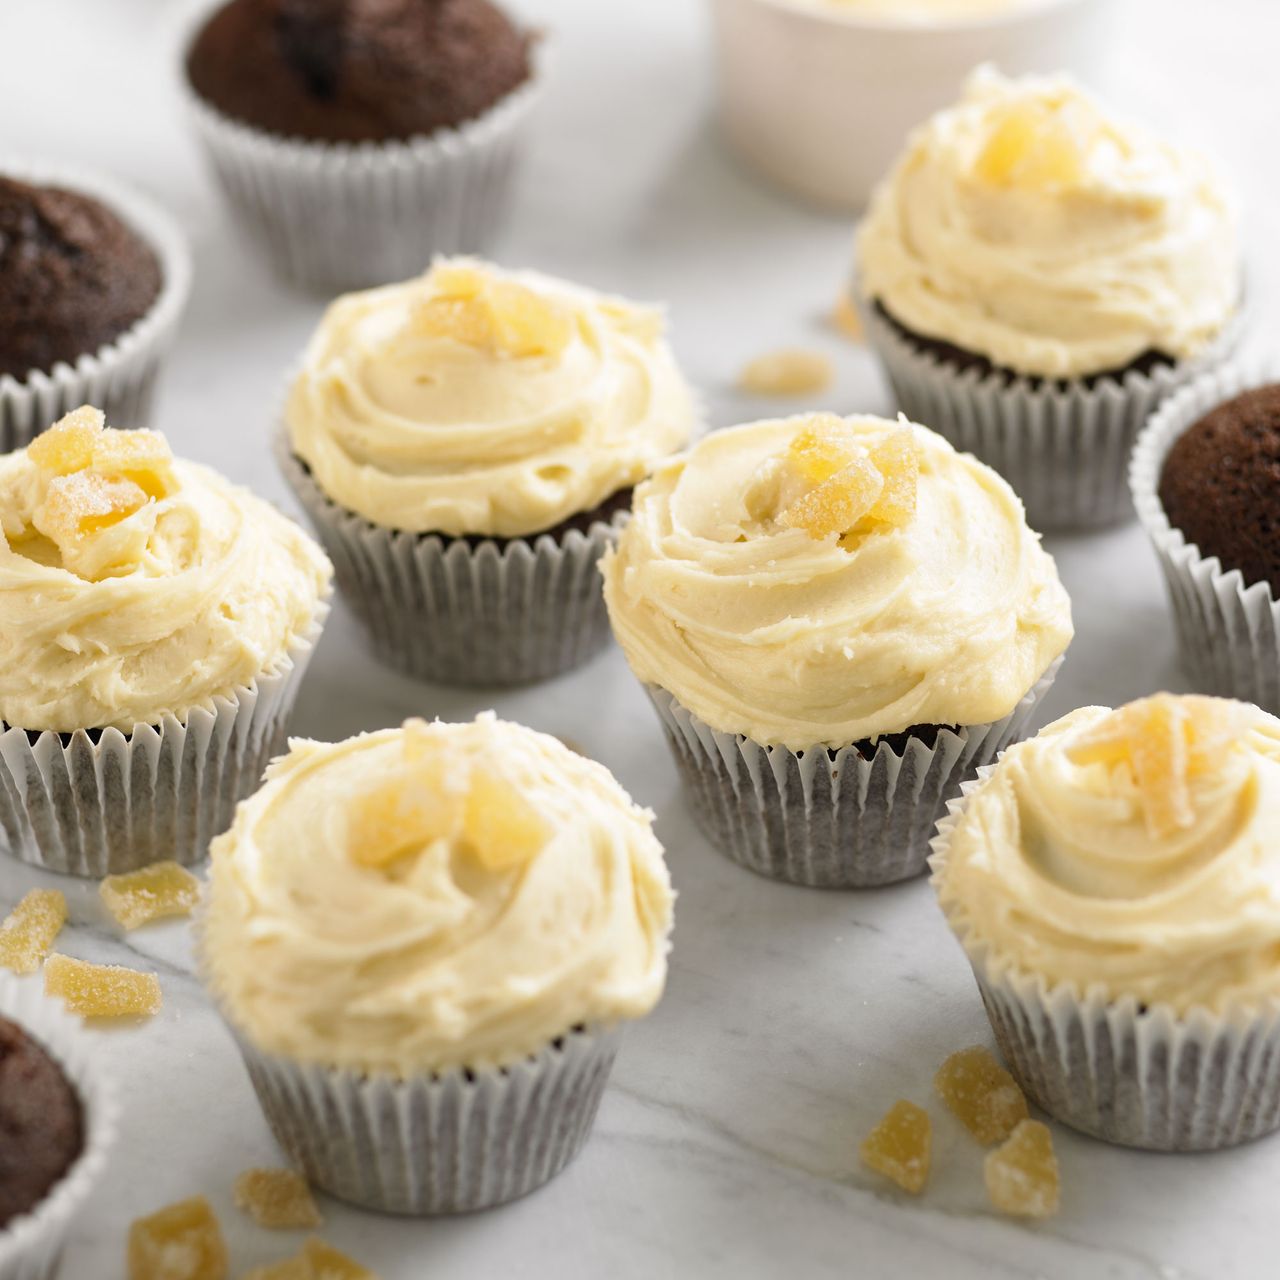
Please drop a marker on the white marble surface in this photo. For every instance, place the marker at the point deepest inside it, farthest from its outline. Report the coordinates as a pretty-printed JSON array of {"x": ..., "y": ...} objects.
[{"x": 726, "y": 1145}]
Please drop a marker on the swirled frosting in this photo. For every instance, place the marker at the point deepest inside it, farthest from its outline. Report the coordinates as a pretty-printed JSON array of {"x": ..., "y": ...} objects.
[
  {"x": 1053, "y": 869},
  {"x": 140, "y": 587},
  {"x": 768, "y": 631},
  {"x": 435, "y": 896},
  {"x": 1026, "y": 226},
  {"x": 472, "y": 401}
]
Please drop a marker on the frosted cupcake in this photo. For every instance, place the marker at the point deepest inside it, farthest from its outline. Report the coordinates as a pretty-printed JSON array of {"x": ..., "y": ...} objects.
[
  {"x": 1036, "y": 276},
  {"x": 466, "y": 444},
  {"x": 425, "y": 940},
  {"x": 838, "y": 620},
  {"x": 1114, "y": 882},
  {"x": 155, "y": 621}
]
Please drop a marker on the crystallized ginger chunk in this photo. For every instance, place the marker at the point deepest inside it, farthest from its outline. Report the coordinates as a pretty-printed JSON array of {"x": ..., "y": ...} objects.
[
  {"x": 527, "y": 324},
  {"x": 68, "y": 445},
  {"x": 144, "y": 457},
  {"x": 982, "y": 1094},
  {"x": 837, "y": 504},
  {"x": 84, "y": 502},
  {"x": 897, "y": 458},
  {"x": 295, "y": 1268},
  {"x": 479, "y": 310},
  {"x": 788, "y": 372},
  {"x": 317, "y": 1261},
  {"x": 398, "y": 817},
  {"x": 153, "y": 893},
  {"x": 1037, "y": 147},
  {"x": 461, "y": 279},
  {"x": 821, "y": 449},
  {"x": 1022, "y": 1175},
  {"x": 29, "y": 931},
  {"x": 899, "y": 1146},
  {"x": 845, "y": 319},
  {"x": 502, "y": 829},
  {"x": 180, "y": 1242},
  {"x": 276, "y": 1198},
  {"x": 102, "y": 990}
]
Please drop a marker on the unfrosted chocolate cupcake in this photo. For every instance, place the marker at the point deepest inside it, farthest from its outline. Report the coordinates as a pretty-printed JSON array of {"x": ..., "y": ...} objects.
[
  {"x": 1220, "y": 484},
  {"x": 41, "y": 1125}
]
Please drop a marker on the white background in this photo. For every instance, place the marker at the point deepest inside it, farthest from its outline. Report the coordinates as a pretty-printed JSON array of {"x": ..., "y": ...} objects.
[{"x": 726, "y": 1145}]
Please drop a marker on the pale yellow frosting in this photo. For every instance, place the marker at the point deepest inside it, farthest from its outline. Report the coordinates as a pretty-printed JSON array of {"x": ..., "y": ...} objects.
[
  {"x": 452, "y": 954},
  {"x": 420, "y": 430},
  {"x": 1101, "y": 244},
  {"x": 763, "y": 630},
  {"x": 1052, "y": 870},
  {"x": 189, "y": 597}
]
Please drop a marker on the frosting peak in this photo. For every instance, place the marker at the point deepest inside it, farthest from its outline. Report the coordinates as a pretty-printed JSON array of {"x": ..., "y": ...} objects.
[{"x": 476, "y": 401}]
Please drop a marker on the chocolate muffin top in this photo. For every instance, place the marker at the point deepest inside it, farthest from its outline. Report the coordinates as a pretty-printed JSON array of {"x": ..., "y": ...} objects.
[
  {"x": 41, "y": 1127},
  {"x": 1220, "y": 485},
  {"x": 73, "y": 276},
  {"x": 357, "y": 70}
]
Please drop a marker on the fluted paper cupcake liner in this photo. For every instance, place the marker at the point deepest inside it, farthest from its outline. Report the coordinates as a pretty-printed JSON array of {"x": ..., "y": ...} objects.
[
  {"x": 1063, "y": 449},
  {"x": 1133, "y": 1074},
  {"x": 120, "y": 377},
  {"x": 457, "y": 612},
  {"x": 1228, "y": 630},
  {"x": 97, "y": 805},
  {"x": 338, "y": 216},
  {"x": 450, "y": 1143},
  {"x": 31, "y": 1245},
  {"x": 830, "y": 821}
]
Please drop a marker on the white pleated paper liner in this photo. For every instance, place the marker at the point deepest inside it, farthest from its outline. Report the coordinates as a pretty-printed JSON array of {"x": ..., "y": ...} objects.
[
  {"x": 339, "y": 216},
  {"x": 1063, "y": 448},
  {"x": 1228, "y": 630},
  {"x": 453, "y": 612},
  {"x": 86, "y": 807},
  {"x": 440, "y": 1144},
  {"x": 31, "y": 1245},
  {"x": 120, "y": 377},
  {"x": 842, "y": 821},
  {"x": 1132, "y": 1074}
]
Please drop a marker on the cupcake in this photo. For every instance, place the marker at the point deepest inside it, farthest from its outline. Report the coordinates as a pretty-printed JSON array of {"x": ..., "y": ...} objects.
[
  {"x": 466, "y": 444},
  {"x": 355, "y": 138},
  {"x": 1205, "y": 476},
  {"x": 154, "y": 623},
  {"x": 93, "y": 280},
  {"x": 425, "y": 941},
  {"x": 58, "y": 1117},
  {"x": 838, "y": 620},
  {"x": 1036, "y": 276},
  {"x": 1114, "y": 883}
]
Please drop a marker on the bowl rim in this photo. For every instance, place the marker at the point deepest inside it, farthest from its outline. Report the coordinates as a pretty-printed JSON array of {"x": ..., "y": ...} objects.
[{"x": 1018, "y": 13}]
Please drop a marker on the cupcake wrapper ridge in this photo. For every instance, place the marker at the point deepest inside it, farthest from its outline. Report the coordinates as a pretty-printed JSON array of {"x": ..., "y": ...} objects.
[
  {"x": 342, "y": 216},
  {"x": 835, "y": 823},
  {"x": 119, "y": 378},
  {"x": 448, "y": 611},
  {"x": 31, "y": 1245},
  {"x": 1228, "y": 631},
  {"x": 80, "y": 807},
  {"x": 1135, "y": 1075},
  {"x": 453, "y": 1143},
  {"x": 1064, "y": 450}
]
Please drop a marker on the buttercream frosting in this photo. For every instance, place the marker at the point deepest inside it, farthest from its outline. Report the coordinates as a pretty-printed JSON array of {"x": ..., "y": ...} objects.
[
  {"x": 1027, "y": 226},
  {"x": 765, "y": 630},
  {"x": 338, "y": 935},
  {"x": 1053, "y": 869},
  {"x": 194, "y": 593},
  {"x": 428, "y": 407}
]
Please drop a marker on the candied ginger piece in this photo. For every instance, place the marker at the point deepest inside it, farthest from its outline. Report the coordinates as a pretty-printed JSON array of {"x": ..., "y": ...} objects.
[
  {"x": 400, "y": 816},
  {"x": 276, "y": 1198},
  {"x": 30, "y": 929},
  {"x": 144, "y": 457},
  {"x": 465, "y": 320},
  {"x": 1037, "y": 147},
  {"x": 503, "y": 830},
  {"x": 68, "y": 445},
  {"x": 981, "y": 1093},
  {"x": 328, "y": 1263},
  {"x": 899, "y": 1145},
  {"x": 787, "y": 372},
  {"x": 295, "y": 1268},
  {"x": 821, "y": 448},
  {"x": 837, "y": 504},
  {"x": 1022, "y": 1175},
  {"x": 180, "y": 1242},
  {"x": 102, "y": 990},
  {"x": 458, "y": 279},
  {"x": 526, "y": 324},
  {"x": 846, "y": 320},
  {"x": 897, "y": 458},
  {"x": 152, "y": 893},
  {"x": 84, "y": 502}
]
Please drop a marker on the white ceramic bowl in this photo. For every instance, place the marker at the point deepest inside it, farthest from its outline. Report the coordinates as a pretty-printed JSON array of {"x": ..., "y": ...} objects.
[{"x": 820, "y": 100}]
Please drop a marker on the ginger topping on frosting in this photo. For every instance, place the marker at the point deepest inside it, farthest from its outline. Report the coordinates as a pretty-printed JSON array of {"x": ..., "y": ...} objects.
[
  {"x": 1040, "y": 144},
  {"x": 470, "y": 305},
  {"x": 850, "y": 488},
  {"x": 1165, "y": 741}
]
